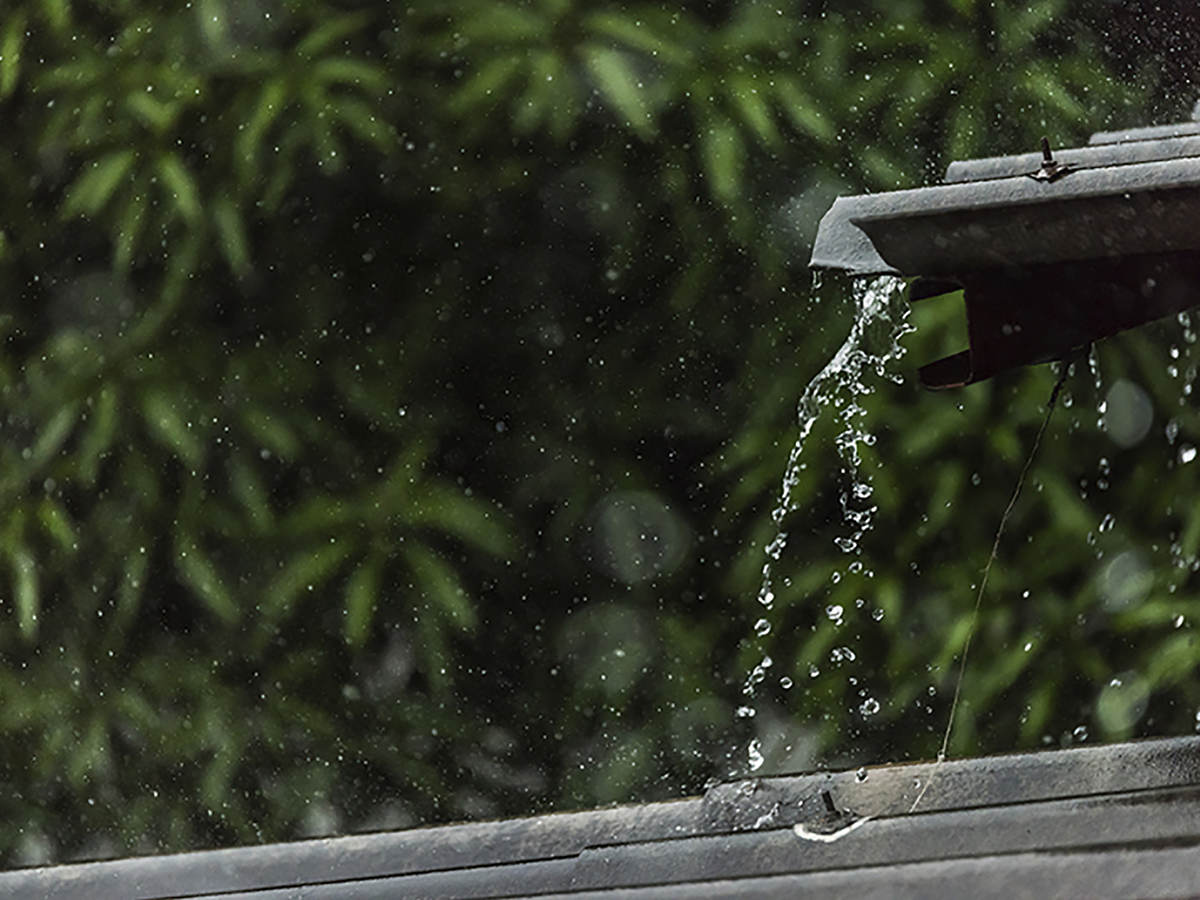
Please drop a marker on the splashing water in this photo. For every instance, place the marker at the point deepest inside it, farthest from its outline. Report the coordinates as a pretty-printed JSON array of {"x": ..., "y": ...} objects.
[{"x": 881, "y": 320}]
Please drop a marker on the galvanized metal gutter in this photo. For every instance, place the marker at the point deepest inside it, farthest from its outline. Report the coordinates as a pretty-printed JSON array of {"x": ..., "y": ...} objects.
[
  {"x": 1052, "y": 253},
  {"x": 1089, "y": 821}
]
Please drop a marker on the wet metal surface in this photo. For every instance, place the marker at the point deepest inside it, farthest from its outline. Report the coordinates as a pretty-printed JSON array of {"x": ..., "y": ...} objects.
[
  {"x": 1092, "y": 806},
  {"x": 1054, "y": 250}
]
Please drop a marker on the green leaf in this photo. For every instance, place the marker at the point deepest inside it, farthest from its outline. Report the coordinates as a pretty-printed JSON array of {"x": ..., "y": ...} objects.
[
  {"x": 617, "y": 83},
  {"x": 172, "y": 429},
  {"x": 90, "y": 192},
  {"x": 348, "y": 70},
  {"x": 57, "y": 13},
  {"x": 57, "y": 523},
  {"x": 159, "y": 116},
  {"x": 485, "y": 85},
  {"x": 11, "y": 42},
  {"x": 333, "y": 31},
  {"x": 438, "y": 583},
  {"x": 54, "y": 435},
  {"x": 271, "y": 101},
  {"x": 637, "y": 35},
  {"x": 272, "y": 431},
  {"x": 748, "y": 99},
  {"x": 199, "y": 573},
  {"x": 248, "y": 488},
  {"x": 181, "y": 185},
  {"x": 232, "y": 234},
  {"x": 803, "y": 112},
  {"x": 305, "y": 572},
  {"x": 362, "y": 592},
  {"x": 361, "y": 120},
  {"x": 445, "y": 508},
  {"x": 721, "y": 155},
  {"x": 25, "y": 590},
  {"x": 502, "y": 23},
  {"x": 129, "y": 228}
]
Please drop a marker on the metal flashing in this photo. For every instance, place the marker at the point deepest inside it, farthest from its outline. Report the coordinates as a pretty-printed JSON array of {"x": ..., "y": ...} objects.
[
  {"x": 1053, "y": 251},
  {"x": 1125, "y": 809}
]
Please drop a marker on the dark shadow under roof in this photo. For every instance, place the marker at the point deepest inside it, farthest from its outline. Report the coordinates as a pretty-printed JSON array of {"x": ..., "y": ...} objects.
[{"x": 1099, "y": 821}]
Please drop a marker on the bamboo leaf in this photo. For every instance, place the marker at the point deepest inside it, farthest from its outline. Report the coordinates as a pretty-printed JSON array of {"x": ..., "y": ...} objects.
[
  {"x": 721, "y": 156},
  {"x": 438, "y": 584},
  {"x": 361, "y": 120},
  {"x": 232, "y": 235},
  {"x": 331, "y": 32},
  {"x": 91, "y": 191},
  {"x": 129, "y": 228},
  {"x": 57, "y": 523},
  {"x": 617, "y": 83},
  {"x": 182, "y": 187},
  {"x": 804, "y": 114},
  {"x": 445, "y": 508},
  {"x": 486, "y": 84},
  {"x": 637, "y": 35},
  {"x": 54, "y": 435},
  {"x": 11, "y": 42},
  {"x": 348, "y": 70},
  {"x": 307, "y": 571},
  {"x": 165, "y": 423},
  {"x": 25, "y": 590},
  {"x": 362, "y": 592},
  {"x": 248, "y": 488},
  {"x": 199, "y": 573},
  {"x": 271, "y": 101},
  {"x": 748, "y": 99}
]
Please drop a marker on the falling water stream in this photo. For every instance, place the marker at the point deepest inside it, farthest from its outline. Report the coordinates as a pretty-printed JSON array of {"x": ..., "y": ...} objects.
[{"x": 873, "y": 344}]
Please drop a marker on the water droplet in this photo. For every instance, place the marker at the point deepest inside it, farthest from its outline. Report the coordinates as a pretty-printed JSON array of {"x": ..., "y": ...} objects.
[
  {"x": 785, "y": 683},
  {"x": 1186, "y": 454},
  {"x": 868, "y": 707},
  {"x": 1178, "y": 621},
  {"x": 754, "y": 755},
  {"x": 1028, "y": 646},
  {"x": 762, "y": 627},
  {"x": 835, "y": 613},
  {"x": 861, "y": 775},
  {"x": 1080, "y": 733},
  {"x": 877, "y": 615},
  {"x": 745, "y": 712},
  {"x": 1107, "y": 523}
]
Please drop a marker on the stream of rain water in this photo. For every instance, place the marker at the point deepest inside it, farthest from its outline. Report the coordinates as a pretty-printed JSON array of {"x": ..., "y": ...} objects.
[{"x": 873, "y": 344}]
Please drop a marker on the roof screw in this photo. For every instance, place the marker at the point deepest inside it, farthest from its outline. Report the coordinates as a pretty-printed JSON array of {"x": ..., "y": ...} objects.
[
  {"x": 1051, "y": 169},
  {"x": 828, "y": 798}
]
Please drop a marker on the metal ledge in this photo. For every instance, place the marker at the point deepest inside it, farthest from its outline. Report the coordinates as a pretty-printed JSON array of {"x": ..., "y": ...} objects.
[
  {"x": 952, "y": 229},
  {"x": 1079, "y": 820}
]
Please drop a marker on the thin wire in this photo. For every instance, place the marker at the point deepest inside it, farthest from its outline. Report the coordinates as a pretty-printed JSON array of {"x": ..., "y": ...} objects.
[{"x": 962, "y": 662}]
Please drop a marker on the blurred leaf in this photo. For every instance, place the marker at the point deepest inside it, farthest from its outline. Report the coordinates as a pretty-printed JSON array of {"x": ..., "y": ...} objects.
[
  {"x": 25, "y": 590},
  {"x": 172, "y": 429},
  {"x": 232, "y": 233},
  {"x": 362, "y": 591},
  {"x": 438, "y": 584},
  {"x": 721, "y": 153},
  {"x": 199, "y": 573},
  {"x": 95, "y": 185},
  {"x": 305, "y": 572},
  {"x": 620, "y": 87},
  {"x": 12, "y": 39},
  {"x": 181, "y": 186}
]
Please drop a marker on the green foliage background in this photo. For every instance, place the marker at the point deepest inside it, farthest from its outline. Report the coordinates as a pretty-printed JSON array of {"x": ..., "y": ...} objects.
[{"x": 393, "y": 399}]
